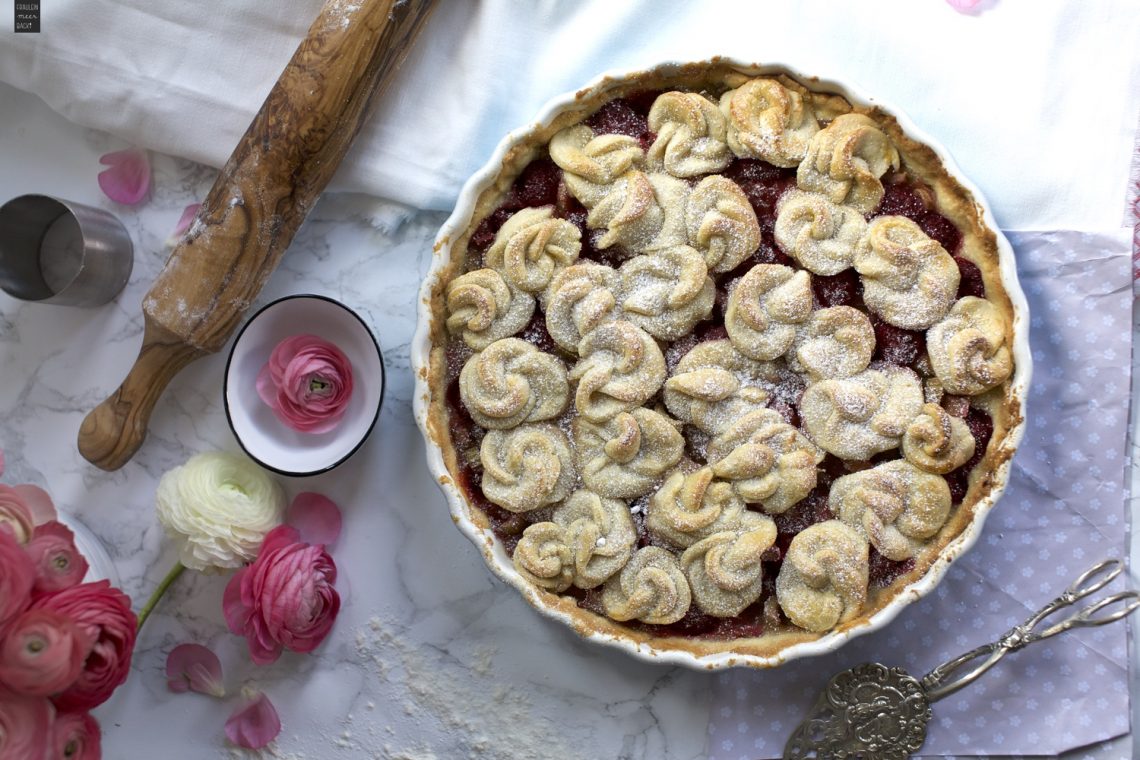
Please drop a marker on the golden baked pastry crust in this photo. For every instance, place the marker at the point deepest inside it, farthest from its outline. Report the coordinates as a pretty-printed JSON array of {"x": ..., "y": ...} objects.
[{"x": 920, "y": 163}]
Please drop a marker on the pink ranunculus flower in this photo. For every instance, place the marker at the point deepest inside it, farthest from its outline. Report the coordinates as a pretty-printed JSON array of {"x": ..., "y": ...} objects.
[
  {"x": 15, "y": 515},
  {"x": 25, "y": 726},
  {"x": 307, "y": 382},
  {"x": 104, "y": 614},
  {"x": 59, "y": 564},
  {"x": 75, "y": 736},
  {"x": 42, "y": 653},
  {"x": 285, "y": 599},
  {"x": 17, "y": 576}
]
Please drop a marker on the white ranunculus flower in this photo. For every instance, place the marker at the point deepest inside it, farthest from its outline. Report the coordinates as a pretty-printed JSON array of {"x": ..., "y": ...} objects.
[{"x": 218, "y": 508}]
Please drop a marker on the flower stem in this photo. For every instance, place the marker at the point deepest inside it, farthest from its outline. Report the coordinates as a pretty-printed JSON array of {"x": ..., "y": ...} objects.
[{"x": 148, "y": 608}]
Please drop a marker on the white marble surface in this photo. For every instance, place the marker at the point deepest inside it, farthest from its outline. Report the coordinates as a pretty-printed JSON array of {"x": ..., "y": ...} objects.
[{"x": 431, "y": 657}]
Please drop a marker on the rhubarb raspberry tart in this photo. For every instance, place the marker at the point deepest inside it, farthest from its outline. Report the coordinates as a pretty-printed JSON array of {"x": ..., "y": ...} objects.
[{"x": 720, "y": 363}]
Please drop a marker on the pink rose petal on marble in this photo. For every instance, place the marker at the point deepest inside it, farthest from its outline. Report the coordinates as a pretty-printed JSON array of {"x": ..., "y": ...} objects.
[
  {"x": 255, "y": 723},
  {"x": 183, "y": 225},
  {"x": 37, "y": 499},
  {"x": 316, "y": 517},
  {"x": 193, "y": 667},
  {"x": 963, "y": 6},
  {"x": 127, "y": 181}
]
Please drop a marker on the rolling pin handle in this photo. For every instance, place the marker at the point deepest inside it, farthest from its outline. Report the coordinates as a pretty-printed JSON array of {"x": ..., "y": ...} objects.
[{"x": 114, "y": 430}]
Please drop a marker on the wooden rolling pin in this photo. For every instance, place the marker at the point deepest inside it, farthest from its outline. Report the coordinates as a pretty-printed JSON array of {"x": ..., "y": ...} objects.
[{"x": 275, "y": 175}]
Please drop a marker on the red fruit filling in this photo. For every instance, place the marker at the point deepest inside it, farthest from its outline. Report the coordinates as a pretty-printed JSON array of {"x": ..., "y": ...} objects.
[
  {"x": 896, "y": 345},
  {"x": 843, "y": 289},
  {"x": 540, "y": 184}
]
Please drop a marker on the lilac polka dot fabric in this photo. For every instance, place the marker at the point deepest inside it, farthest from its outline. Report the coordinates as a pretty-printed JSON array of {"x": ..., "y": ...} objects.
[{"x": 1064, "y": 511}]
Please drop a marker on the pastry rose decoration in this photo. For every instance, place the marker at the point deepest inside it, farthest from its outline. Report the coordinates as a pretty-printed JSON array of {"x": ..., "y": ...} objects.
[
  {"x": 483, "y": 308},
  {"x": 721, "y": 223},
  {"x": 621, "y": 367},
  {"x": 822, "y": 236},
  {"x": 307, "y": 382},
  {"x": 937, "y": 441},
  {"x": 692, "y": 506},
  {"x": 768, "y": 461},
  {"x": 630, "y": 212},
  {"x": 764, "y": 309},
  {"x": 823, "y": 580},
  {"x": 769, "y": 120},
  {"x": 908, "y": 278},
  {"x": 532, "y": 246},
  {"x": 579, "y": 299},
  {"x": 845, "y": 160},
  {"x": 651, "y": 588},
  {"x": 626, "y": 455},
  {"x": 690, "y": 133},
  {"x": 715, "y": 384},
  {"x": 896, "y": 505},
  {"x": 666, "y": 292},
  {"x": 838, "y": 341},
  {"x": 968, "y": 348},
  {"x": 590, "y": 163},
  {"x": 218, "y": 508},
  {"x": 724, "y": 570},
  {"x": 511, "y": 382},
  {"x": 589, "y": 539},
  {"x": 857, "y": 417},
  {"x": 527, "y": 467}
]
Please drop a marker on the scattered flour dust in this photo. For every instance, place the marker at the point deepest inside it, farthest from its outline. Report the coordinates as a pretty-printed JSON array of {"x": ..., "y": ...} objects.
[{"x": 481, "y": 716}]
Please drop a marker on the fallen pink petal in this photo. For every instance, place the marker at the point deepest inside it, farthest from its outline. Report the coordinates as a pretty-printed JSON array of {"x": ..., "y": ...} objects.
[
  {"x": 316, "y": 517},
  {"x": 127, "y": 181},
  {"x": 963, "y": 6},
  {"x": 183, "y": 225},
  {"x": 193, "y": 667},
  {"x": 255, "y": 723}
]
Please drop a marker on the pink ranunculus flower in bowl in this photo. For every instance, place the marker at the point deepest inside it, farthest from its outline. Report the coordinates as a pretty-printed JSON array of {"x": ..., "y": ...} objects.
[
  {"x": 75, "y": 736},
  {"x": 17, "y": 576},
  {"x": 285, "y": 599},
  {"x": 104, "y": 614},
  {"x": 307, "y": 382},
  {"x": 59, "y": 564},
  {"x": 15, "y": 515},
  {"x": 25, "y": 726},
  {"x": 42, "y": 653}
]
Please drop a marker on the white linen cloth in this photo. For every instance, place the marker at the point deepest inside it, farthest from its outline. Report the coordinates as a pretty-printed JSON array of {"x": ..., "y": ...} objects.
[{"x": 1037, "y": 101}]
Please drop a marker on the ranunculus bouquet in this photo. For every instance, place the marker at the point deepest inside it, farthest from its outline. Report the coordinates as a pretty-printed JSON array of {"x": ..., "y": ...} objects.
[
  {"x": 224, "y": 512},
  {"x": 65, "y": 645}
]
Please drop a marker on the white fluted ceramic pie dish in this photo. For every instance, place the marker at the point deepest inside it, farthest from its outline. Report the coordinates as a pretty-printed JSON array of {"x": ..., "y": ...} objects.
[{"x": 472, "y": 200}]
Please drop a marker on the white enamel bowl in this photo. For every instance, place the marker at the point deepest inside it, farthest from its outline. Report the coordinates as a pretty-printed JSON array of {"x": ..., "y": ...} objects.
[
  {"x": 493, "y": 550},
  {"x": 266, "y": 439}
]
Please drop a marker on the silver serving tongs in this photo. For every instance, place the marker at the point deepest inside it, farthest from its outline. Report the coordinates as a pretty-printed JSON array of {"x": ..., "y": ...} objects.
[{"x": 872, "y": 712}]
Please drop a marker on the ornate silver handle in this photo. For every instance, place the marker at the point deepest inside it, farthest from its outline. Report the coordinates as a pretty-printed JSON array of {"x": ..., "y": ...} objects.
[{"x": 945, "y": 679}]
